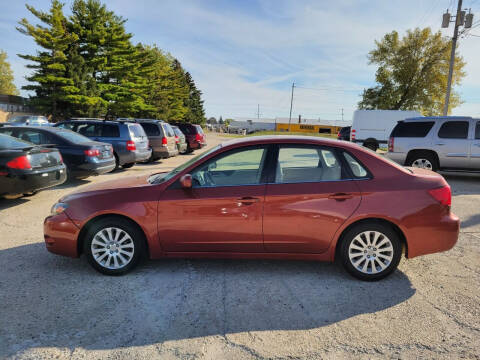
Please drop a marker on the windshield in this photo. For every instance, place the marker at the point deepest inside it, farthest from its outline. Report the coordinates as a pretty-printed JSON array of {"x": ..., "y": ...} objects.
[
  {"x": 162, "y": 177},
  {"x": 8, "y": 142},
  {"x": 17, "y": 119}
]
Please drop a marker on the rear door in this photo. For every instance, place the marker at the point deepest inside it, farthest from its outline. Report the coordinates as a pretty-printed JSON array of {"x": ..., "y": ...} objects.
[
  {"x": 452, "y": 145},
  {"x": 309, "y": 199}
]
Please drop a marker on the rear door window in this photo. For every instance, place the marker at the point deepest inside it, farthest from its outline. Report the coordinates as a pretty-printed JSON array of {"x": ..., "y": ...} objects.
[
  {"x": 417, "y": 129},
  {"x": 69, "y": 126},
  {"x": 477, "y": 130},
  {"x": 454, "y": 130},
  {"x": 35, "y": 137},
  {"x": 110, "y": 130},
  {"x": 169, "y": 130},
  {"x": 89, "y": 129}
]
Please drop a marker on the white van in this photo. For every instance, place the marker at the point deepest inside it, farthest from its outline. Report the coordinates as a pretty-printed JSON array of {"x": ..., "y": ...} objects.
[{"x": 372, "y": 128}]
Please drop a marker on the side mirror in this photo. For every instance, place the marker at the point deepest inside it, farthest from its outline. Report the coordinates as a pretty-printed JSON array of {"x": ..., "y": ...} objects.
[{"x": 186, "y": 181}]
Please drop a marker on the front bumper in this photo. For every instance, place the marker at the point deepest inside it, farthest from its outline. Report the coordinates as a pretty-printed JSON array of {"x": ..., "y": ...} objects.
[
  {"x": 34, "y": 180},
  {"x": 61, "y": 235}
]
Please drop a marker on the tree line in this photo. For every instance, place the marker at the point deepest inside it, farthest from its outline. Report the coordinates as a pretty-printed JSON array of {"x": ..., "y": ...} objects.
[{"x": 88, "y": 66}]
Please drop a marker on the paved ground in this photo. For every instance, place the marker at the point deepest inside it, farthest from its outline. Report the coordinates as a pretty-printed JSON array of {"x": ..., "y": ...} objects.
[{"x": 54, "y": 307}]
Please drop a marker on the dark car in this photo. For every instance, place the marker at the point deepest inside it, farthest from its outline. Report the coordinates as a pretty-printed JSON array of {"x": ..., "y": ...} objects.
[
  {"x": 180, "y": 139},
  {"x": 26, "y": 168},
  {"x": 129, "y": 141},
  {"x": 276, "y": 197},
  {"x": 161, "y": 137},
  {"x": 196, "y": 138},
  {"x": 82, "y": 156},
  {"x": 344, "y": 133}
]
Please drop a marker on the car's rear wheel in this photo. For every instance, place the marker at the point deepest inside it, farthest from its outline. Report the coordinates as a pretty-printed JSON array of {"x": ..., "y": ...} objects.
[
  {"x": 113, "y": 246},
  {"x": 371, "y": 251},
  {"x": 423, "y": 160}
]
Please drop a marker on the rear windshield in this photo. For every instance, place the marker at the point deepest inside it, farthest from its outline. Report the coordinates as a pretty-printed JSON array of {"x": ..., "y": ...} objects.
[
  {"x": 169, "y": 130},
  {"x": 151, "y": 129},
  {"x": 417, "y": 129},
  {"x": 8, "y": 142},
  {"x": 177, "y": 131},
  {"x": 136, "y": 130},
  {"x": 199, "y": 129},
  {"x": 73, "y": 137}
]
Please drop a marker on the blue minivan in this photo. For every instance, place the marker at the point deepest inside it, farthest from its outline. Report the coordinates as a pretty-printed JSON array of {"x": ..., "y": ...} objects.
[{"x": 128, "y": 139}]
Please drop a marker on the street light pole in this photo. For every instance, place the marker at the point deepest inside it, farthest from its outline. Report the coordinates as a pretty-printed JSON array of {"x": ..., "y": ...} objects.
[{"x": 291, "y": 105}]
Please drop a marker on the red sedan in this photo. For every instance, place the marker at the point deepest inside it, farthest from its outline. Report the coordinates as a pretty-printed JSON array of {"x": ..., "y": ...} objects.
[{"x": 278, "y": 197}]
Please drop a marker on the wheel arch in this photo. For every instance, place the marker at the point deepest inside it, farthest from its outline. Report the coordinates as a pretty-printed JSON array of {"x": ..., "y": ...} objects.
[
  {"x": 415, "y": 151},
  {"x": 97, "y": 218},
  {"x": 391, "y": 224}
]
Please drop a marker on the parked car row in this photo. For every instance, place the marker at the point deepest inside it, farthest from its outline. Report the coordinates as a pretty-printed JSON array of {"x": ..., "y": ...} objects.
[{"x": 89, "y": 147}]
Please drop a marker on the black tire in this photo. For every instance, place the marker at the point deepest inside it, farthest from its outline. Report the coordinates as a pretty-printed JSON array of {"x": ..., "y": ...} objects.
[
  {"x": 189, "y": 150},
  {"x": 360, "y": 256},
  {"x": 135, "y": 234},
  {"x": 372, "y": 146},
  {"x": 418, "y": 156},
  {"x": 31, "y": 193},
  {"x": 128, "y": 166},
  {"x": 117, "y": 163}
]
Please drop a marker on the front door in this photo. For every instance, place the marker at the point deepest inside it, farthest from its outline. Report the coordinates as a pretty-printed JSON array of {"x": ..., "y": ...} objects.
[
  {"x": 223, "y": 210},
  {"x": 309, "y": 200}
]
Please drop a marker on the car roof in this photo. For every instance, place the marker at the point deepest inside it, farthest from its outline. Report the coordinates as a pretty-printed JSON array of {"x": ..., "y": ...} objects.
[
  {"x": 436, "y": 118},
  {"x": 94, "y": 121},
  {"x": 286, "y": 139}
]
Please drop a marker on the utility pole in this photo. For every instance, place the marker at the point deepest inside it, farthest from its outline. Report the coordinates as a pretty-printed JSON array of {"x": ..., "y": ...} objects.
[
  {"x": 291, "y": 105},
  {"x": 258, "y": 111},
  {"x": 461, "y": 19},
  {"x": 342, "y": 114}
]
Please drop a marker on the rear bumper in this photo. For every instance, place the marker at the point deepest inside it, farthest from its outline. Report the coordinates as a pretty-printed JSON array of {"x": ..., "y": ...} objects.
[
  {"x": 61, "y": 235},
  {"x": 97, "y": 168},
  {"x": 134, "y": 156},
  {"x": 398, "y": 157},
  {"x": 182, "y": 147},
  {"x": 196, "y": 145},
  {"x": 164, "y": 152},
  {"x": 441, "y": 237},
  {"x": 32, "y": 181}
]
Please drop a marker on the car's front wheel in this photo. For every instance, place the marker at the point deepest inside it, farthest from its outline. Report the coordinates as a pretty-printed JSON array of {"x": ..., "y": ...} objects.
[
  {"x": 113, "y": 246},
  {"x": 371, "y": 251}
]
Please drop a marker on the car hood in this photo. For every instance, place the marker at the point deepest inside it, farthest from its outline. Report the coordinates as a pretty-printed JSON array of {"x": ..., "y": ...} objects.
[{"x": 107, "y": 186}]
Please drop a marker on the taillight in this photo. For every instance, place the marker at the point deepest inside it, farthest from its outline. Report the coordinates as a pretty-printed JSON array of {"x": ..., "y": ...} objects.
[
  {"x": 164, "y": 141},
  {"x": 20, "y": 162},
  {"x": 92, "y": 152},
  {"x": 131, "y": 146},
  {"x": 391, "y": 142},
  {"x": 443, "y": 195},
  {"x": 176, "y": 139},
  {"x": 352, "y": 134},
  {"x": 198, "y": 137}
]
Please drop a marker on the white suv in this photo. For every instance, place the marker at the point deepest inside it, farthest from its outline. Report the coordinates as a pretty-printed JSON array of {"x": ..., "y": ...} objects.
[{"x": 437, "y": 143}]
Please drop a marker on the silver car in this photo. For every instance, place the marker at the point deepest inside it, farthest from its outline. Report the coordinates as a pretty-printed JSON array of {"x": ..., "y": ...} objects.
[{"x": 436, "y": 143}]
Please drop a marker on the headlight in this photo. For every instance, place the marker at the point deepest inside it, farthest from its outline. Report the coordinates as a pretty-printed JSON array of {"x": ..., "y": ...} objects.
[{"x": 59, "y": 208}]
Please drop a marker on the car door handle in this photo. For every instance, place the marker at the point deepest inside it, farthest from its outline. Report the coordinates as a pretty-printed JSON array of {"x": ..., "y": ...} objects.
[
  {"x": 340, "y": 196},
  {"x": 248, "y": 200},
  {"x": 440, "y": 144}
]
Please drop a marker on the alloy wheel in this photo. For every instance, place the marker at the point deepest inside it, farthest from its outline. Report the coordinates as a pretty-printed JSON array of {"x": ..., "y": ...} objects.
[
  {"x": 422, "y": 164},
  {"x": 370, "y": 252},
  {"x": 112, "y": 248}
]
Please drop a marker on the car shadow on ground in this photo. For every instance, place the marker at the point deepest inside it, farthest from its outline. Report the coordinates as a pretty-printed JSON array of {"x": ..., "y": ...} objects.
[
  {"x": 6, "y": 203},
  {"x": 51, "y": 301}
]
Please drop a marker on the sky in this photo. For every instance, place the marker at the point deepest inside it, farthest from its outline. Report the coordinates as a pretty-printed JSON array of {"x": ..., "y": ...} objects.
[{"x": 245, "y": 54}]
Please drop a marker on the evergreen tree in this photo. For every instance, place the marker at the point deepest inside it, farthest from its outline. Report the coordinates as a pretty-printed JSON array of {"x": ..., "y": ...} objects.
[
  {"x": 220, "y": 120},
  {"x": 194, "y": 103},
  {"x": 7, "y": 87},
  {"x": 114, "y": 79},
  {"x": 50, "y": 82}
]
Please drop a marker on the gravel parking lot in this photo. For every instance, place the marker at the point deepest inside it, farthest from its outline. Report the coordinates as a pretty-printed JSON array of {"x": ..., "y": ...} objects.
[{"x": 55, "y": 307}]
